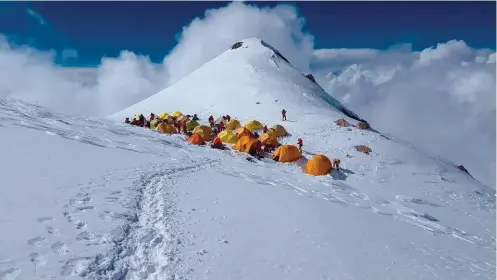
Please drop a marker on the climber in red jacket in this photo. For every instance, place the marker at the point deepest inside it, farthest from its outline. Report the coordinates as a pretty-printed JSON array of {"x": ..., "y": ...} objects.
[
  {"x": 283, "y": 114},
  {"x": 300, "y": 143}
]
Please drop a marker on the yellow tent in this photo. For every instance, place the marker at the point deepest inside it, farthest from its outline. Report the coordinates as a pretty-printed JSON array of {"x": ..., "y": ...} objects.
[
  {"x": 176, "y": 114},
  {"x": 271, "y": 132},
  {"x": 254, "y": 125},
  {"x": 318, "y": 165},
  {"x": 287, "y": 153},
  {"x": 245, "y": 144},
  {"x": 182, "y": 118},
  {"x": 233, "y": 124},
  {"x": 268, "y": 140},
  {"x": 227, "y": 137},
  {"x": 163, "y": 116},
  {"x": 242, "y": 131},
  {"x": 166, "y": 128},
  {"x": 204, "y": 131},
  {"x": 279, "y": 130},
  {"x": 190, "y": 125}
]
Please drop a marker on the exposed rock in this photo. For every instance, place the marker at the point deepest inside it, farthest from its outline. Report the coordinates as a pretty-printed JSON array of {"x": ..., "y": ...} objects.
[
  {"x": 236, "y": 45},
  {"x": 362, "y": 125},
  {"x": 275, "y": 51},
  {"x": 311, "y": 77},
  {"x": 363, "y": 149},
  {"x": 342, "y": 123}
]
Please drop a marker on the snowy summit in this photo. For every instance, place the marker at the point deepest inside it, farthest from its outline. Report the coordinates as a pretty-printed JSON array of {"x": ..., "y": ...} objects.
[{"x": 100, "y": 199}]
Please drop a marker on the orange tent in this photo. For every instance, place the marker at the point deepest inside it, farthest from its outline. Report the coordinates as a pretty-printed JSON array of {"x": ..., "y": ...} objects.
[
  {"x": 204, "y": 131},
  {"x": 166, "y": 128},
  {"x": 242, "y": 131},
  {"x": 268, "y": 140},
  {"x": 217, "y": 141},
  {"x": 245, "y": 143},
  {"x": 196, "y": 139},
  {"x": 318, "y": 165},
  {"x": 287, "y": 153}
]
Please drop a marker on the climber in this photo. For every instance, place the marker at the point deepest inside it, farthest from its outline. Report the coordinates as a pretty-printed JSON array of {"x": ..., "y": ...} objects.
[
  {"x": 211, "y": 121},
  {"x": 126, "y": 120},
  {"x": 256, "y": 150},
  {"x": 141, "y": 121},
  {"x": 134, "y": 121},
  {"x": 152, "y": 117},
  {"x": 220, "y": 126},
  {"x": 283, "y": 114},
  {"x": 184, "y": 127},
  {"x": 336, "y": 163},
  {"x": 217, "y": 144},
  {"x": 177, "y": 125},
  {"x": 265, "y": 130},
  {"x": 228, "y": 117},
  {"x": 300, "y": 143},
  {"x": 195, "y": 117}
]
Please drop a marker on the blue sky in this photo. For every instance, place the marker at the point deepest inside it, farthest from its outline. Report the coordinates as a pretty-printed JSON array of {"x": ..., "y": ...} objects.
[{"x": 97, "y": 29}]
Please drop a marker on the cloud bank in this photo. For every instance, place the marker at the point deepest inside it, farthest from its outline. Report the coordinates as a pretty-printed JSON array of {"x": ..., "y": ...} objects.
[{"x": 442, "y": 98}]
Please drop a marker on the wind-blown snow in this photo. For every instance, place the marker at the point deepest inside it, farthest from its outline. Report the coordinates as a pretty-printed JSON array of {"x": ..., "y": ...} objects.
[{"x": 96, "y": 199}]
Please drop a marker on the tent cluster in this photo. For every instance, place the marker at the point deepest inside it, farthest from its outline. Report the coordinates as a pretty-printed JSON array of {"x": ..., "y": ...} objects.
[{"x": 246, "y": 139}]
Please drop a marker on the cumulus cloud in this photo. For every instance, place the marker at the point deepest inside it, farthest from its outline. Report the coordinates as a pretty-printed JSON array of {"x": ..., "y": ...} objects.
[
  {"x": 120, "y": 82},
  {"x": 32, "y": 75},
  {"x": 205, "y": 38},
  {"x": 441, "y": 98}
]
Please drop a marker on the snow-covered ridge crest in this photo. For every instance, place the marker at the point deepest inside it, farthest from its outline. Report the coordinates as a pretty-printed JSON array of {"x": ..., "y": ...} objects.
[{"x": 250, "y": 80}]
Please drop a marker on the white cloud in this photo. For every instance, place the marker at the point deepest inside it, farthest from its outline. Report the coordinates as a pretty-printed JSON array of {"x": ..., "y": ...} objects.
[
  {"x": 441, "y": 98},
  {"x": 207, "y": 37},
  {"x": 32, "y": 75},
  {"x": 36, "y": 16}
]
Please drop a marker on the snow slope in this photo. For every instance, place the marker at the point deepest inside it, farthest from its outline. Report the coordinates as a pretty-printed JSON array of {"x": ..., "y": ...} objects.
[
  {"x": 96, "y": 199},
  {"x": 249, "y": 82}
]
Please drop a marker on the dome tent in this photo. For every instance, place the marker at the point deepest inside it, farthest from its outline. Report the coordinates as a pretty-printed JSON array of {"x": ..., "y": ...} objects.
[
  {"x": 318, "y": 165},
  {"x": 287, "y": 153},
  {"x": 254, "y": 125}
]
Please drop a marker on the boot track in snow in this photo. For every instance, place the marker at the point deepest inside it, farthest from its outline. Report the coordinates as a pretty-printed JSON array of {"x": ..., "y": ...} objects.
[{"x": 148, "y": 246}]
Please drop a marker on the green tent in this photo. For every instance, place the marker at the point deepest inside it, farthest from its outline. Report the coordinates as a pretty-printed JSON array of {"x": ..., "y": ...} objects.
[
  {"x": 154, "y": 123},
  {"x": 190, "y": 125}
]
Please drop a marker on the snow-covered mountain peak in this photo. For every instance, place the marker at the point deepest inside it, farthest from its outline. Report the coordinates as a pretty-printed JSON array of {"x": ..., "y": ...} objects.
[{"x": 249, "y": 80}]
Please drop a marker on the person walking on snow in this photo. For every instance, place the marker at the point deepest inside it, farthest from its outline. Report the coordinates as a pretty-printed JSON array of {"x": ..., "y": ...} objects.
[
  {"x": 300, "y": 143},
  {"x": 283, "y": 114},
  {"x": 126, "y": 120}
]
